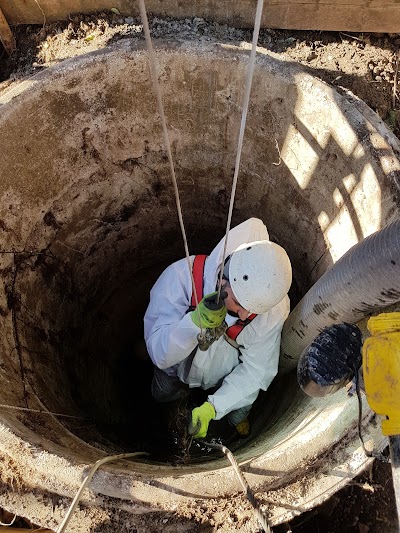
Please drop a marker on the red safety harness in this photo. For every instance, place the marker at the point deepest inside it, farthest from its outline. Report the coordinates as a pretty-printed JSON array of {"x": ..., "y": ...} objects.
[{"x": 198, "y": 277}]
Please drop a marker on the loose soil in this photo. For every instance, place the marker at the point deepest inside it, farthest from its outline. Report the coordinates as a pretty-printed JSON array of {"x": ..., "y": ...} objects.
[{"x": 365, "y": 65}]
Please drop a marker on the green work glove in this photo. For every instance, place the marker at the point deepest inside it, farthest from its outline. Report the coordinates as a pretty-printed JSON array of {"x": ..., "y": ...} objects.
[
  {"x": 209, "y": 313},
  {"x": 201, "y": 417}
]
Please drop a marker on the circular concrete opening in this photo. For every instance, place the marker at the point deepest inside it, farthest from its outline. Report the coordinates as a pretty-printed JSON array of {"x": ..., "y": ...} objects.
[{"x": 88, "y": 220}]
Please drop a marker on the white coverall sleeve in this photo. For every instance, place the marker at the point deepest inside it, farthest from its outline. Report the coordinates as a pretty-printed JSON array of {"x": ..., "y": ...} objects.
[
  {"x": 257, "y": 368},
  {"x": 169, "y": 332}
]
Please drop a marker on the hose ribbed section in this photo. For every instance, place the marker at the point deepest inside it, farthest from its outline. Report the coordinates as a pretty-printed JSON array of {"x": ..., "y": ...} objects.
[{"x": 363, "y": 281}]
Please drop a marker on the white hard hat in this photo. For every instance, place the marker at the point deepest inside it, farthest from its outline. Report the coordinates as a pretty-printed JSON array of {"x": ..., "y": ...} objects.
[{"x": 260, "y": 275}]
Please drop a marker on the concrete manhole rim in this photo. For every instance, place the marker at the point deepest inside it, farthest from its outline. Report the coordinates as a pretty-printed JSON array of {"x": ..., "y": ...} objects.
[{"x": 119, "y": 483}]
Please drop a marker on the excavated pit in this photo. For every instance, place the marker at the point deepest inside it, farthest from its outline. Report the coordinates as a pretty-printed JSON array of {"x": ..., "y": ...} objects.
[{"x": 88, "y": 222}]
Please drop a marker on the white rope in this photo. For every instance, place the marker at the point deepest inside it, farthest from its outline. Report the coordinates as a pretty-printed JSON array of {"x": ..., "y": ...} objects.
[
  {"x": 62, "y": 527},
  {"x": 157, "y": 89},
  {"x": 246, "y": 487},
  {"x": 4, "y": 406},
  {"x": 249, "y": 81},
  {"x": 10, "y": 524}
]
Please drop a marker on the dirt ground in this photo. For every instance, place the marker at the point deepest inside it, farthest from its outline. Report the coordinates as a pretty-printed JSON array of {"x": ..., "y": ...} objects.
[
  {"x": 366, "y": 65},
  {"x": 366, "y": 505}
]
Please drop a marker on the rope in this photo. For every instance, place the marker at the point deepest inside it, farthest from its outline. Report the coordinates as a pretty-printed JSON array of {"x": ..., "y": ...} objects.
[
  {"x": 249, "y": 81},
  {"x": 246, "y": 488},
  {"x": 157, "y": 90},
  {"x": 4, "y": 406},
  {"x": 87, "y": 480},
  {"x": 10, "y": 524}
]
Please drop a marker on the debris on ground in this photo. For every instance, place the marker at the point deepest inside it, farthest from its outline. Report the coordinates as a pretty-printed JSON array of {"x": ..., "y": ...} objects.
[{"x": 365, "y": 64}]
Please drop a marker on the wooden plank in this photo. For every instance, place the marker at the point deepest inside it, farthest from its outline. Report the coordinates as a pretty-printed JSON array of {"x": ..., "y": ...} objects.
[
  {"x": 6, "y": 36},
  {"x": 349, "y": 3},
  {"x": 382, "y": 16},
  {"x": 330, "y": 18}
]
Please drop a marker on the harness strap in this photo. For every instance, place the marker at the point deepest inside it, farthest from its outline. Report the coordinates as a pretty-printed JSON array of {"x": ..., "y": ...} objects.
[
  {"x": 198, "y": 275},
  {"x": 237, "y": 327}
]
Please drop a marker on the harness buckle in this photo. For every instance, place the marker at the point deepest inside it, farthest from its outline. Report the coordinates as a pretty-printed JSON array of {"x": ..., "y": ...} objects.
[{"x": 210, "y": 336}]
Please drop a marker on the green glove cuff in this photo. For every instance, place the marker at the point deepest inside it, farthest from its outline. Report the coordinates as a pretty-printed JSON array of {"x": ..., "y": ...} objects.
[
  {"x": 201, "y": 417},
  {"x": 205, "y": 318}
]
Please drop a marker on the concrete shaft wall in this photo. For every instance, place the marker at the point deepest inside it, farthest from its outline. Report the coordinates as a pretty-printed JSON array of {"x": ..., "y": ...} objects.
[{"x": 88, "y": 221}]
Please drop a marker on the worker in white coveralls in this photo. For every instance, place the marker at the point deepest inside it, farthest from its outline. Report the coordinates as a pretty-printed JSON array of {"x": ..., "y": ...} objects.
[{"x": 256, "y": 278}]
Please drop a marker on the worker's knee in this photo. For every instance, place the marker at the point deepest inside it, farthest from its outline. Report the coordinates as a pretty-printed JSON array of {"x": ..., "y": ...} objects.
[
  {"x": 165, "y": 388},
  {"x": 237, "y": 416}
]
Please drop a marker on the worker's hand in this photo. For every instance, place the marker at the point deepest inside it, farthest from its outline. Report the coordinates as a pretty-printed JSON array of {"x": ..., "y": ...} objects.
[
  {"x": 210, "y": 313},
  {"x": 212, "y": 302},
  {"x": 201, "y": 417}
]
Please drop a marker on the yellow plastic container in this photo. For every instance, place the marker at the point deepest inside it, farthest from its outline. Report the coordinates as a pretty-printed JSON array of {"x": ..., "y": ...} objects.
[{"x": 381, "y": 368}]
